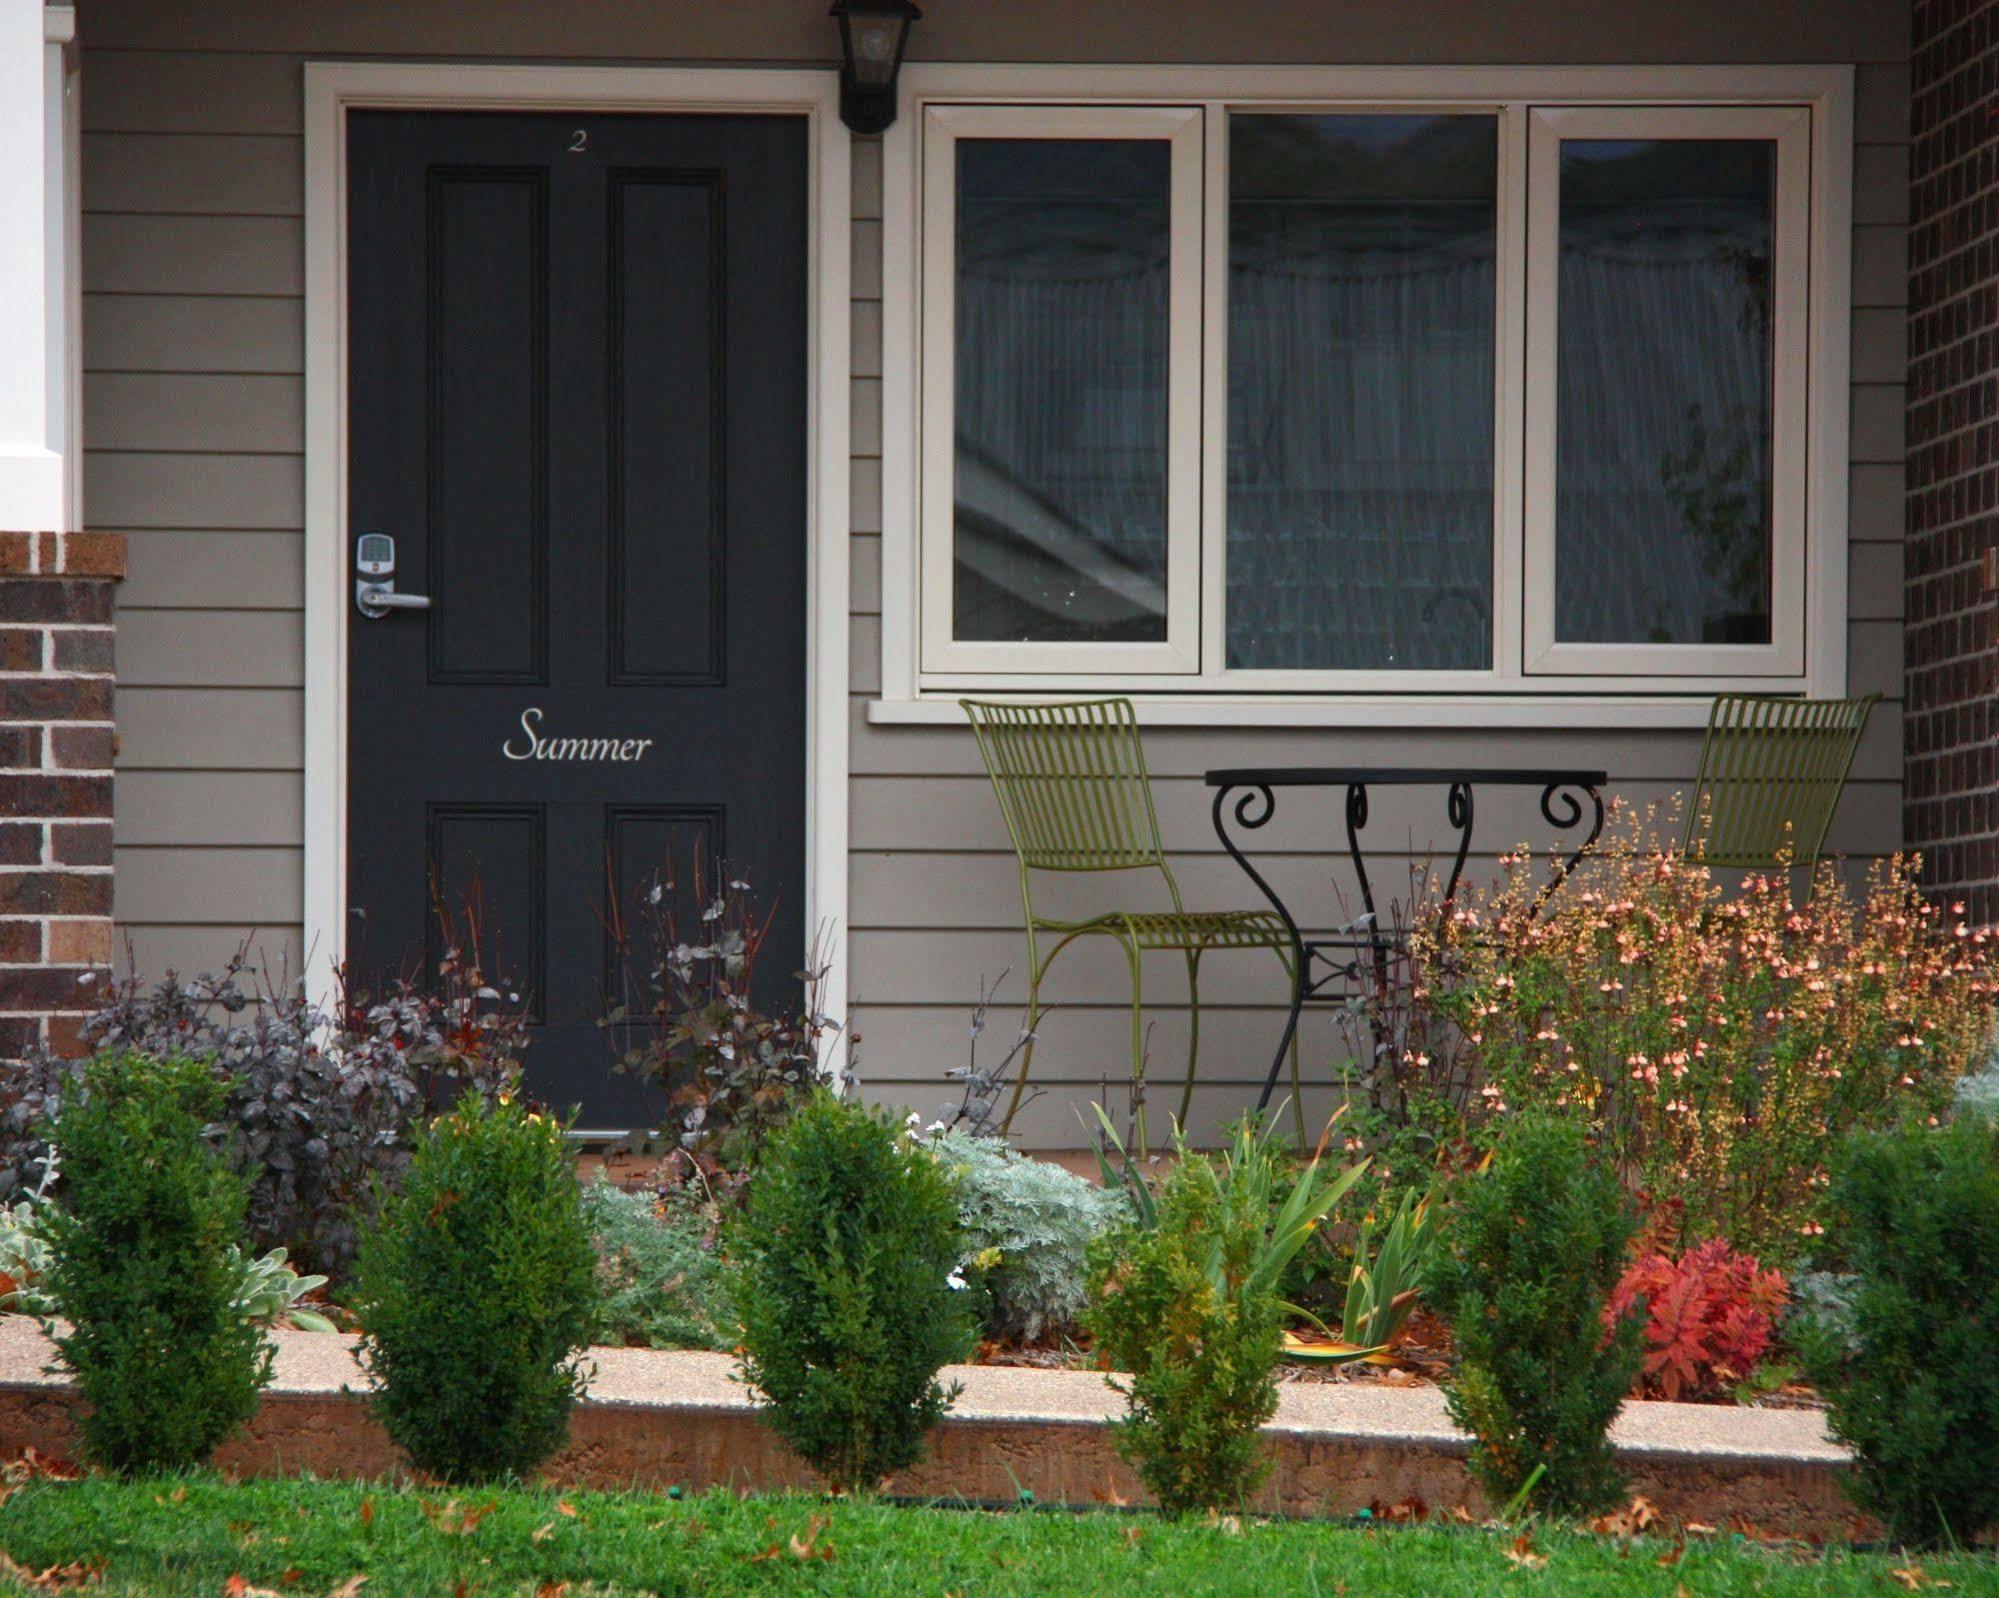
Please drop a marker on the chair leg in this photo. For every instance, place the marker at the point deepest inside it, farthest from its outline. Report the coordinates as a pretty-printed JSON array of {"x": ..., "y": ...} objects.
[
  {"x": 1036, "y": 970},
  {"x": 1133, "y": 958},
  {"x": 1027, "y": 1052},
  {"x": 1193, "y": 1027}
]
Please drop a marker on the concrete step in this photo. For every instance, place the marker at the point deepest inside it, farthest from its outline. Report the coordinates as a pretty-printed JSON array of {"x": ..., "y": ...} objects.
[{"x": 661, "y": 1419}]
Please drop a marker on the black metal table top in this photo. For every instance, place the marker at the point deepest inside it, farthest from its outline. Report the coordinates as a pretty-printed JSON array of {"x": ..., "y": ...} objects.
[{"x": 1394, "y": 776}]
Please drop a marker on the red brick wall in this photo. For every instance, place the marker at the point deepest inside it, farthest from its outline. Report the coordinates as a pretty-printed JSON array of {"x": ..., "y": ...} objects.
[
  {"x": 1951, "y": 793},
  {"x": 56, "y": 746}
]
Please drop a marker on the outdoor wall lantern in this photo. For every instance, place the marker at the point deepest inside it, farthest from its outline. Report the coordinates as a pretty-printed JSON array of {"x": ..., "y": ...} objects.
[{"x": 873, "y": 34}]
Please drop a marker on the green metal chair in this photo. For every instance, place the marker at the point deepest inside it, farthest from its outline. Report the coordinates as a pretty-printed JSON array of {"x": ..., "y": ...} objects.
[
  {"x": 1770, "y": 778},
  {"x": 1074, "y": 793}
]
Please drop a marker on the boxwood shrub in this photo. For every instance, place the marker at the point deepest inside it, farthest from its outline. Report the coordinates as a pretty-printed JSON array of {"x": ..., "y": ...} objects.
[
  {"x": 848, "y": 1291},
  {"x": 1908, "y": 1368},
  {"x": 476, "y": 1290},
  {"x": 145, "y": 1268}
]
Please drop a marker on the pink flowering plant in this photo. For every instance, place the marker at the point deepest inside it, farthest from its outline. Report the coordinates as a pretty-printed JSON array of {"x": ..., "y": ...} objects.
[{"x": 1719, "y": 1040}]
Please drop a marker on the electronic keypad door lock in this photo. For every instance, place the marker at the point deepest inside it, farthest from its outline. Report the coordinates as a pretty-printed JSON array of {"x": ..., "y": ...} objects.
[{"x": 375, "y": 579}]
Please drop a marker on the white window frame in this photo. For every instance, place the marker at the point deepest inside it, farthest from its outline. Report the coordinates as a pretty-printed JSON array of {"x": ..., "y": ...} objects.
[
  {"x": 1789, "y": 129},
  {"x": 1524, "y": 688},
  {"x": 1179, "y": 128}
]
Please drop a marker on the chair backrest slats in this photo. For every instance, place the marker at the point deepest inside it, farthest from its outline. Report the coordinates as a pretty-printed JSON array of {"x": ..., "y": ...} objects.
[
  {"x": 1770, "y": 778},
  {"x": 1071, "y": 783}
]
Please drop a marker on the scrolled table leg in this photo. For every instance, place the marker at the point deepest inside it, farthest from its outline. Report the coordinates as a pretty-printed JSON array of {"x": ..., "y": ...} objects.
[
  {"x": 1561, "y": 808},
  {"x": 1253, "y": 810},
  {"x": 1458, "y": 807}
]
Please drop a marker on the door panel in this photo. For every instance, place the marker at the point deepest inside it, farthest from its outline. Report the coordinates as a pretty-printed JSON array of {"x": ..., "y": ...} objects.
[
  {"x": 491, "y": 860},
  {"x": 486, "y": 297},
  {"x": 577, "y": 397},
  {"x": 668, "y": 598}
]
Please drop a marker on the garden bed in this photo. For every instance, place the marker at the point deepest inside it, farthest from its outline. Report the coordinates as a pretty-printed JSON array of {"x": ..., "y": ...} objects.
[
  {"x": 663, "y": 1420},
  {"x": 1419, "y": 1357}
]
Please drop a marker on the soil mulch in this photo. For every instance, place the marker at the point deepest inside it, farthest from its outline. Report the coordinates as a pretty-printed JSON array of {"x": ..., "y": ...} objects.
[{"x": 1421, "y": 1357}]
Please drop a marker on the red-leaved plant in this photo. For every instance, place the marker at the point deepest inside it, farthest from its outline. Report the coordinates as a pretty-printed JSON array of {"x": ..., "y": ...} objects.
[{"x": 1709, "y": 1318}]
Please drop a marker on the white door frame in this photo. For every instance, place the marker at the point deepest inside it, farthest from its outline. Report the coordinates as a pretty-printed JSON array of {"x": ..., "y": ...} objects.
[{"x": 331, "y": 88}]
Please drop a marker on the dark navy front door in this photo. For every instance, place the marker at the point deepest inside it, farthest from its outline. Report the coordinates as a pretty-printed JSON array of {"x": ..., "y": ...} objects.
[{"x": 577, "y": 404}]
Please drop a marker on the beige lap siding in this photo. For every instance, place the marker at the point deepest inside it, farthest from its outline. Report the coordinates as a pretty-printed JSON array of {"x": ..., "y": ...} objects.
[
  {"x": 56, "y": 750},
  {"x": 193, "y": 343}
]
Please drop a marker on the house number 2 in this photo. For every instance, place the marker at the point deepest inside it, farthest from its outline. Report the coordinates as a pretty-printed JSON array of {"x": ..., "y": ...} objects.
[{"x": 579, "y": 141}]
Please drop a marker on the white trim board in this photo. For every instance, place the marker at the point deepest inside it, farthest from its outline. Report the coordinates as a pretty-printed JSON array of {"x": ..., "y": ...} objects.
[
  {"x": 1442, "y": 712},
  {"x": 331, "y": 89}
]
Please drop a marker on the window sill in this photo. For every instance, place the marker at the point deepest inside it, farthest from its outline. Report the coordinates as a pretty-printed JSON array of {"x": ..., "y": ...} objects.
[{"x": 1467, "y": 712}]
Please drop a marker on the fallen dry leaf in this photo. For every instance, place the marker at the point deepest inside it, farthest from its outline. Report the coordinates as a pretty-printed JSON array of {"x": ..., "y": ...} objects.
[
  {"x": 453, "y": 1521},
  {"x": 810, "y": 1547},
  {"x": 1523, "y": 1554},
  {"x": 1411, "y": 1510},
  {"x": 541, "y": 1533},
  {"x": 564, "y": 1507},
  {"x": 350, "y": 1588},
  {"x": 551, "y": 1589},
  {"x": 33, "y": 1464},
  {"x": 368, "y": 1511},
  {"x": 52, "y": 1578},
  {"x": 237, "y": 1587},
  {"x": 1914, "y": 1577},
  {"x": 1671, "y": 1556},
  {"x": 1640, "y": 1515}
]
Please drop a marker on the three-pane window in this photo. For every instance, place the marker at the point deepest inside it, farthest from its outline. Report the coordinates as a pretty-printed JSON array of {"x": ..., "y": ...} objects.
[{"x": 1309, "y": 398}]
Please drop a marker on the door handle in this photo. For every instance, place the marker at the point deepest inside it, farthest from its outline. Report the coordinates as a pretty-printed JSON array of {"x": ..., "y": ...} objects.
[{"x": 376, "y": 600}]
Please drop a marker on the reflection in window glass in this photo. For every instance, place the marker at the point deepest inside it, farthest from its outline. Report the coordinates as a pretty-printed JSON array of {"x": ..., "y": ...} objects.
[
  {"x": 1062, "y": 253},
  {"x": 1663, "y": 381},
  {"x": 1360, "y": 404}
]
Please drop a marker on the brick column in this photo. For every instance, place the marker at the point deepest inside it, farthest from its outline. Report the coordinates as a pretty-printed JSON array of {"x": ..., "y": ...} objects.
[
  {"x": 56, "y": 745},
  {"x": 1951, "y": 763}
]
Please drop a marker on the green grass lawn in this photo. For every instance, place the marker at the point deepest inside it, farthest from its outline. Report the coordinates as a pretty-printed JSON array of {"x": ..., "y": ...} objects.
[{"x": 193, "y": 1535}]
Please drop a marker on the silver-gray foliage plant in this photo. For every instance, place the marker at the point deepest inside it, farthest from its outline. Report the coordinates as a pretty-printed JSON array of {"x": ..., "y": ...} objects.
[
  {"x": 1027, "y": 1227},
  {"x": 661, "y": 1280},
  {"x": 1979, "y": 1092}
]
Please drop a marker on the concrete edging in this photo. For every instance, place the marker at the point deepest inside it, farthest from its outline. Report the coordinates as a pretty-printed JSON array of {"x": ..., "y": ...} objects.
[{"x": 681, "y": 1419}]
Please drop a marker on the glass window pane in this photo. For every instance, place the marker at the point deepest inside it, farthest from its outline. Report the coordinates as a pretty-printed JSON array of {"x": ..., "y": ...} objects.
[
  {"x": 1063, "y": 251},
  {"x": 1663, "y": 391},
  {"x": 1360, "y": 444}
]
